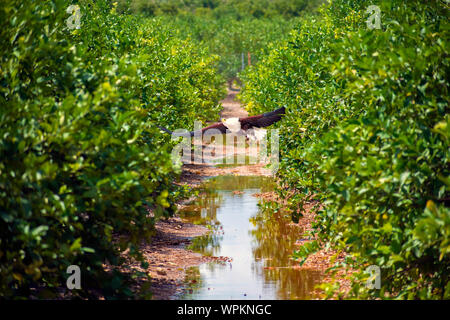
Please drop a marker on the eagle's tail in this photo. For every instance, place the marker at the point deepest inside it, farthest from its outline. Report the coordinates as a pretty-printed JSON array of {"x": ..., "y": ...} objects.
[
  {"x": 180, "y": 134},
  {"x": 165, "y": 129}
]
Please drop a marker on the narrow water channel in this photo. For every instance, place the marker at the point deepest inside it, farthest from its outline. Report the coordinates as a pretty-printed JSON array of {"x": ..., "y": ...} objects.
[{"x": 254, "y": 245}]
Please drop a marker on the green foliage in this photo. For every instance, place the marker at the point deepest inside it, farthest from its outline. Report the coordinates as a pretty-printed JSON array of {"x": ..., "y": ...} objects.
[
  {"x": 229, "y": 38},
  {"x": 366, "y": 132},
  {"x": 236, "y": 9},
  {"x": 227, "y": 29},
  {"x": 84, "y": 174}
]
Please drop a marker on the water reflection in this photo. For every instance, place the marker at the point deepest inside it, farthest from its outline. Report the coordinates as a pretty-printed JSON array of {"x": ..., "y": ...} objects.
[{"x": 260, "y": 244}]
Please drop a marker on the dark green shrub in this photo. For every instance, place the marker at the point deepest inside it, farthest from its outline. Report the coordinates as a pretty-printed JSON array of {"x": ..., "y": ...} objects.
[
  {"x": 81, "y": 164},
  {"x": 367, "y": 133}
]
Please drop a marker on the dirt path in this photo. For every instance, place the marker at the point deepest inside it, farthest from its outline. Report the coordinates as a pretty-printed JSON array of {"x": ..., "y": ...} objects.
[{"x": 232, "y": 107}]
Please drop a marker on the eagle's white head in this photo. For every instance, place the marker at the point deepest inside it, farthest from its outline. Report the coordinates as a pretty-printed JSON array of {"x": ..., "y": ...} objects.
[{"x": 233, "y": 124}]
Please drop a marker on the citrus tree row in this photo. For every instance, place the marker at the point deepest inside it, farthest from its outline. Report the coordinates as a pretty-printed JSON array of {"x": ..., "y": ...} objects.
[
  {"x": 228, "y": 29},
  {"x": 230, "y": 39},
  {"x": 238, "y": 9},
  {"x": 367, "y": 134},
  {"x": 84, "y": 173}
]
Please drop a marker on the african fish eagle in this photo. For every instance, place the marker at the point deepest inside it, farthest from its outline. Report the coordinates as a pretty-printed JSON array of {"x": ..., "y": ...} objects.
[{"x": 249, "y": 126}]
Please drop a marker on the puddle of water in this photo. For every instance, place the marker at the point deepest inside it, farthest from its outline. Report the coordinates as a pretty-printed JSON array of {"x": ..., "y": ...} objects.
[
  {"x": 258, "y": 242},
  {"x": 234, "y": 161}
]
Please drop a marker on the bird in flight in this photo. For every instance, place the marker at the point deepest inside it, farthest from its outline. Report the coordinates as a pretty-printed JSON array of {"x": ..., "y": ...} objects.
[{"x": 249, "y": 126}]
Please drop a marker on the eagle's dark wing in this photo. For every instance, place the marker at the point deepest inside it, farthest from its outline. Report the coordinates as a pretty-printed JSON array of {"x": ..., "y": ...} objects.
[
  {"x": 217, "y": 126},
  {"x": 262, "y": 120},
  {"x": 259, "y": 121}
]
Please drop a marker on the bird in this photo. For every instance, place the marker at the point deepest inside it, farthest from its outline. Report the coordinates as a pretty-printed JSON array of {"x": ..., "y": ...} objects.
[{"x": 249, "y": 126}]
